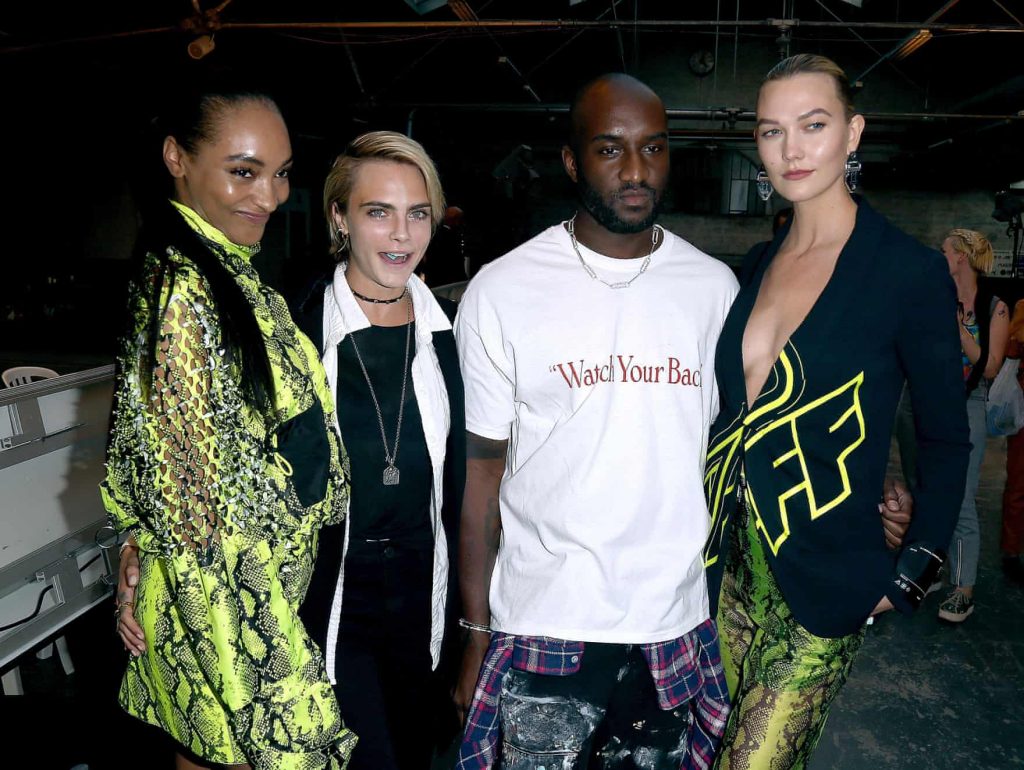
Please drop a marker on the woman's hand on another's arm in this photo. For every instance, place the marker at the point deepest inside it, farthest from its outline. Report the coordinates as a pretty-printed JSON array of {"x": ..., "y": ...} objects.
[{"x": 897, "y": 509}]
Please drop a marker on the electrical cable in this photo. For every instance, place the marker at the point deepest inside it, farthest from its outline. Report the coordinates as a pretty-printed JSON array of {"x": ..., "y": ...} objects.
[{"x": 35, "y": 612}]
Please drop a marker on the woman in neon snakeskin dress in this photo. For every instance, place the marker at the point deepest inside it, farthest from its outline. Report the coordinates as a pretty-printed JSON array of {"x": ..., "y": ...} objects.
[{"x": 222, "y": 464}]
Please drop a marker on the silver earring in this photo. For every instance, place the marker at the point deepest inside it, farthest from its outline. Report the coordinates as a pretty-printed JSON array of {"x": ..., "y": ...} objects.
[
  {"x": 853, "y": 169},
  {"x": 764, "y": 186},
  {"x": 342, "y": 240}
]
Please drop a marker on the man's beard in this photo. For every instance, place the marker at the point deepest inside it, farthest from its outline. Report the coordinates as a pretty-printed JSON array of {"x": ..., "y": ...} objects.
[{"x": 607, "y": 217}]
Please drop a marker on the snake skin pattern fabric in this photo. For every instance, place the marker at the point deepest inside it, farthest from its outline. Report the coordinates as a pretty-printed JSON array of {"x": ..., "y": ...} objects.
[
  {"x": 782, "y": 678},
  {"x": 197, "y": 475}
]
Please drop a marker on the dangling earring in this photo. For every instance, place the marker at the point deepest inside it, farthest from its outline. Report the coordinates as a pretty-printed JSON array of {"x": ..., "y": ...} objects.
[
  {"x": 764, "y": 186},
  {"x": 853, "y": 169},
  {"x": 342, "y": 240}
]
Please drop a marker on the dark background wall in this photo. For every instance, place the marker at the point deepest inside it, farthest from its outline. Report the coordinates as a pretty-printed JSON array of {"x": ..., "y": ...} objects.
[{"x": 79, "y": 84}]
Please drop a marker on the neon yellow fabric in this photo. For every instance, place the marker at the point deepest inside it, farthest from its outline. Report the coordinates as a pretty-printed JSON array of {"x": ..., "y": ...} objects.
[{"x": 227, "y": 547}]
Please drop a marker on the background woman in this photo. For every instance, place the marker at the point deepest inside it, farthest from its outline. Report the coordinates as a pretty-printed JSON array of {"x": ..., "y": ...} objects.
[
  {"x": 984, "y": 329},
  {"x": 382, "y": 587},
  {"x": 222, "y": 462},
  {"x": 832, "y": 315}
]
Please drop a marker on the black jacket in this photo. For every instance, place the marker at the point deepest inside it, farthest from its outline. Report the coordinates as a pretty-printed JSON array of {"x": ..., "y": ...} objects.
[{"x": 814, "y": 444}]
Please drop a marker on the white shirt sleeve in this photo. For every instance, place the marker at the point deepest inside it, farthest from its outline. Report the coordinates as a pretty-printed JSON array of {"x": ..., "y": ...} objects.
[{"x": 487, "y": 369}]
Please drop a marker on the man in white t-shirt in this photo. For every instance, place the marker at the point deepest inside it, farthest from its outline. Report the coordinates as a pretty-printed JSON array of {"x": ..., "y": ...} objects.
[{"x": 588, "y": 358}]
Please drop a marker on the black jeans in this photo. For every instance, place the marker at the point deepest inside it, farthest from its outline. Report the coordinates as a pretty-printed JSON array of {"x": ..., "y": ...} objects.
[
  {"x": 386, "y": 691},
  {"x": 604, "y": 716}
]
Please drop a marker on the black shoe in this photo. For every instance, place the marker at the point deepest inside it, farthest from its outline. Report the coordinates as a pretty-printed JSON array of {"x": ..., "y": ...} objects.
[{"x": 1013, "y": 569}]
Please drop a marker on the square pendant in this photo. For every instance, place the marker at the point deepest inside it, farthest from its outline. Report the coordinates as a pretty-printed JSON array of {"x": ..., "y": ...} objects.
[{"x": 390, "y": 476}]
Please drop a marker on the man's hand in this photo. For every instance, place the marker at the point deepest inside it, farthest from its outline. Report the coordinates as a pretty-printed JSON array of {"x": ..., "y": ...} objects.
[
  {"x": 127, "y": 578},
  {"x": 897, "y": 509},
  {"x": 469, "y": 671}
]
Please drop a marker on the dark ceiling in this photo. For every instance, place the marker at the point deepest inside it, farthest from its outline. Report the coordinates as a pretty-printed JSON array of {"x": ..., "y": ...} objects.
[
  {"x": 344, "y": 65},
  {"x": 80, "y": 80}
]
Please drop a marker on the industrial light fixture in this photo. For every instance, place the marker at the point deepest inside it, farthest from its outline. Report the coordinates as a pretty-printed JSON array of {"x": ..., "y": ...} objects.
[
  {"x": 203, "y": 24},
  {"x": 201, "y": 46},
  {"x": 911, "y": 44}
]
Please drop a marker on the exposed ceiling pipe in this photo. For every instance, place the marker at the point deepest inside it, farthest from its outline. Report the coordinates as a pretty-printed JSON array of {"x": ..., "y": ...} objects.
[
  {"x": 572, "y": 39},
  {"x": 736, "y": 44},
  {"x": 714, "y": 114},
  {"x": 1007, "y": 11},
  {"x": 911, "y": 42},
  {"x": 618, "y": 36},
  {"x": 557, "y": 24},
  {"x": 352, "y": 64},
  {"x": 541, "y": 25}
]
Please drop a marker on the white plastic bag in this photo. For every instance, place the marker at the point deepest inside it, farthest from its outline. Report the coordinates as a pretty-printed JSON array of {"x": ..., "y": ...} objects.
[{"x": 1004, "y": 412}]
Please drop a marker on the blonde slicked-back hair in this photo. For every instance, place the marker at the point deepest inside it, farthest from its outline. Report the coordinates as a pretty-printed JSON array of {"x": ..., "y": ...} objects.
[
  {"x": 974, "y": 246},
  {"x": 378, "y": 145},
  {"x": 807, "y": 63}
]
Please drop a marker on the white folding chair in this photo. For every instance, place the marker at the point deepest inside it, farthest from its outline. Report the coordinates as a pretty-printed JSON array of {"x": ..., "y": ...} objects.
[{"x": 23, "y": 375}]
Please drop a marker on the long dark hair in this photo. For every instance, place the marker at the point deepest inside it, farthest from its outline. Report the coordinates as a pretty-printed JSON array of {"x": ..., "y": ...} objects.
[{"x": 193, "y": 119}]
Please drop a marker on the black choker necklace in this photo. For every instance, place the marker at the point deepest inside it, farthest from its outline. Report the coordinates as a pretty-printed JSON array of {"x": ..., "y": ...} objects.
[{"x": 364, "y": 298}]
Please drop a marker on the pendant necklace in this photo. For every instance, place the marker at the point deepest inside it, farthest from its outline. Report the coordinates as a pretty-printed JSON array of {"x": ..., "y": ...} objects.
[{"x": 390, "y": 477}]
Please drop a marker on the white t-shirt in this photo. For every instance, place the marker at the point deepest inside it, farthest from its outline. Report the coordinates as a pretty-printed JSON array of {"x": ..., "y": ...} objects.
[{"x": 606, "y": 397}]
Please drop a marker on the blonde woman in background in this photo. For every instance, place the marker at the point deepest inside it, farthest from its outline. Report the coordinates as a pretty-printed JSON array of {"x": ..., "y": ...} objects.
[{"x": 984, "y": 330}]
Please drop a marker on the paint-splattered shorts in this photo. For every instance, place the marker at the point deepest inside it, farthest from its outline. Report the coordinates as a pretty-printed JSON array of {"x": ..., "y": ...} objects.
[{"x": 604, "y": 716}]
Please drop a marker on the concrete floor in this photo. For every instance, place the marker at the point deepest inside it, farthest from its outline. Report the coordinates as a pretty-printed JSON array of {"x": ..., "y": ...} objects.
[
  {"x": 929, "y": 695},
  {"x": 924, "y": 695}
]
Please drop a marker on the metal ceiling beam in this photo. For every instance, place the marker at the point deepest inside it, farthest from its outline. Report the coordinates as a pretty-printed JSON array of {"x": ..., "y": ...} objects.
[
  {"x": 703, "y": 113},
  {"x": 559, "y": 24},
  {"x": 912, "y": 42},
  {"x": 783, "y": 24}
]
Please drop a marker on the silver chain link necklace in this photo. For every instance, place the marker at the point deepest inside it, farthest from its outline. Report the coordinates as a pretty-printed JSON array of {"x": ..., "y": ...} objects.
[
  {"x": 590, "y": 271},
  {"x": 390, "y": 478}
]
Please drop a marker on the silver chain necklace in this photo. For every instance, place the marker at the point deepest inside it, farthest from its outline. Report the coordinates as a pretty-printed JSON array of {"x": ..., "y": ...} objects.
[
  {"x": 390, "y": 471},
  {"x": 590, "y": 271}
]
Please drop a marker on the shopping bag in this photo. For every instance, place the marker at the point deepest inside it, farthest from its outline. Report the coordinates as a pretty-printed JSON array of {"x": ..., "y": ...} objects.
[{"x": 1004, "y": 411}]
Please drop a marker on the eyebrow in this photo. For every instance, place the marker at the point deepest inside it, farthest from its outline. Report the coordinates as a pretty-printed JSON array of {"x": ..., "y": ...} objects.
[
  {"x": 382, "y": 205},
  {"x": 246, "y": 157},
  {"x": 618, "y": 137},
  {"x": 815, "y": 111}
]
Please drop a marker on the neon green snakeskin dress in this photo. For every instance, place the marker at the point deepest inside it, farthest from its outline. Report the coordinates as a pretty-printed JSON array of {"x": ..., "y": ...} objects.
[{"x": 200, "y": 478}]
